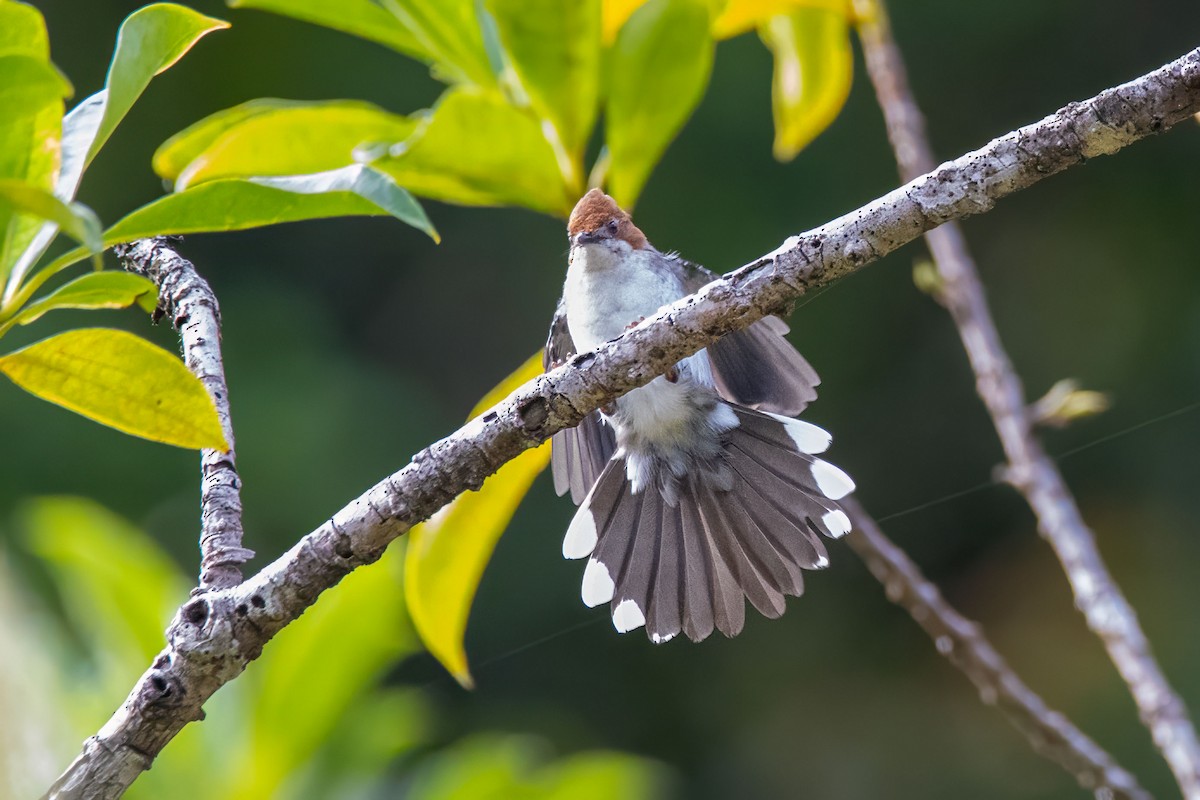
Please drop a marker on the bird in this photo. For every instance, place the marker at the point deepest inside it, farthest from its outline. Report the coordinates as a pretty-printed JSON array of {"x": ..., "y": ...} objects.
[{"x": 700, "y": 489}]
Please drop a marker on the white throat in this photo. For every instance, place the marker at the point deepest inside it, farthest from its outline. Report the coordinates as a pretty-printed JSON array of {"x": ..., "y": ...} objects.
[{"x": 610, "y": 285}]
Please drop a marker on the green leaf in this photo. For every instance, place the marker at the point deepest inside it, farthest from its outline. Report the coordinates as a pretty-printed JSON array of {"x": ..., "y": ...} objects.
[
  {"x": 173, "y": 156},
  {"x": 95, "y": 290},
  {"x": 477, "y": 149},
  {"x": 74, "y": 145},
  {"x": 600, "y": 775},
  {"x": 31, "y": 93},
  {"x": 27, "y": 85},
  {"x": 446, "y": 556},
  {"x": 23, "y": 31},
  {"x": 118, "y": 589},
  {"x": 234, "y": 204},
  {"x": 119, "y": 380},
  {"x": 373, "y": 731},
  {"x": 735, "y": 17},
  {"x": 276, "y": 137},
  {"x": 814, "y": 66},
  {"x": 449, "y": 31},
  {"x": 79, "y": 221},
  {"x": 657, "y": 72},
  {"x": 483, "y": 767},
  {"x": 613, "y": 16},
  {"x": 150, "y": 41},
  {"x": 364, "y": 182},
  {"x": 335, "y": 654},
  {"x": 554, "y": 48},
  {"x": 491, "y": 767},
  {"x": 362, "y": 18}
]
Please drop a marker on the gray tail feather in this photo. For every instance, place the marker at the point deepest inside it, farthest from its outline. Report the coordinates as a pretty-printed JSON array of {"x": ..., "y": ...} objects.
[
  {"x": 579, "y": 455},
  {"x": 690, "y": 566}
]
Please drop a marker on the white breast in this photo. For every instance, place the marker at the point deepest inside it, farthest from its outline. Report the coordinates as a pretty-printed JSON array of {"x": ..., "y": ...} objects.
[{"x": 610, "y": 286}]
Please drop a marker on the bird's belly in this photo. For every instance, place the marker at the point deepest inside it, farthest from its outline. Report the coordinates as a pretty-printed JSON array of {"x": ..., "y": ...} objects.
[
  {"x": 668, "y": 414},
  {"x": 668, "y": 429},
  {"x": 661, "y": 412}
]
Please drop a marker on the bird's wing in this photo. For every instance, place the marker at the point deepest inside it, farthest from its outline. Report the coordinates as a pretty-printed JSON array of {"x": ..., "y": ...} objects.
[
  {"x": 577, "y": 455},
  {"x": 559, "y": 344},
  {"x": 756, "y": 367}
]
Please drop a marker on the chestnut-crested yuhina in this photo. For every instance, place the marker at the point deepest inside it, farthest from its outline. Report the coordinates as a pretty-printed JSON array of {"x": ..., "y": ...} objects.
[{"x": 698, "y": 489}]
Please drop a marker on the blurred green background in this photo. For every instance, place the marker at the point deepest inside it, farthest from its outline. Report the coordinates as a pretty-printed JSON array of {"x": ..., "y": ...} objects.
[{"x": 350, "y": 344}]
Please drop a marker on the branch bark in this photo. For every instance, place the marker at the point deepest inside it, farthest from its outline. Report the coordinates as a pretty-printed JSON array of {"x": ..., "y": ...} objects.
[
  {"x": 190, "y": 302},
  {"x": 1029, "y": 469},
  {"x": 962, "y": 642},
  {"x": 216, "y": 634}
]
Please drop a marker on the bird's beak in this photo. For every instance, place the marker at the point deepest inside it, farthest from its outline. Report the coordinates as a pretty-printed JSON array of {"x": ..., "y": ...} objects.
[{"x": 586, "y": 237}]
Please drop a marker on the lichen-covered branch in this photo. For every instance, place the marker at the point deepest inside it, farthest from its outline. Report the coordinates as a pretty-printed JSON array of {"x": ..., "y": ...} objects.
[
  {"x": 187, "y": 299},
  {"x": 1029, "y": 469},
  {"x": 962, "y": 642},
  {"x": 216, "y": 634}
]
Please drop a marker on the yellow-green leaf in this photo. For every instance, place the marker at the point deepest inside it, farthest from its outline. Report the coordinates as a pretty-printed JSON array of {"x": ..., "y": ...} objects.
[
  {"x": 513, "y": 767},
  {"x": 31, "y": 209},
  {"x": 813, "y": 70},
  {"x": 276, "y": 137},
  {"x": 115, "y": 585},
  {"x": 109, "y": 289},
  {"x": 31, "y": 106},
  {"x": 79, "y": 221},
  {"x": 362, "y": 18},
  {"x": 657, "y": 72},
  {"x": 554, "y": 48},
  {"x": 447, "y": 555},
  {"x": 234, "y": 204},
  {"x": 150, "y": 41},
  {"x": 613, "y": 15},
  {"x": 22, "y": 30},
  {"x": 740, "y": 16},
  {"x": 173, "y": 155},
  {"x": 449, "y": 31},
  {"x": 477, "y": 149},
  {"x": 339, "y": 651},
  {"x": 119, "y": 380},
  {"x": 31, "y": 93}
]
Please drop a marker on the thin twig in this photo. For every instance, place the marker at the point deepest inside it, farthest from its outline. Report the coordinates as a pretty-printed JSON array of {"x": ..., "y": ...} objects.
[
  {"x": 1029, "y": 469},
  {"x": 192, "y": 306},
  {"x": 962, "y": 642},
  {"x": 215, "y": 635}
]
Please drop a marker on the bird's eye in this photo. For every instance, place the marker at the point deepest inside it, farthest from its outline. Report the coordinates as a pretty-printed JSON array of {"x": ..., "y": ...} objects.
[{"x": 612, "y": 225}]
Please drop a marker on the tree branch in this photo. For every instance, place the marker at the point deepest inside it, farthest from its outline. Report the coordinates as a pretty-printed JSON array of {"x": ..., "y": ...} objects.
[
  {"x": 215, "y": 635},
  {"x": 193, "y": 309},
  {"x": 962, "y": 642},
  {"x": 1029, "y": 469}
]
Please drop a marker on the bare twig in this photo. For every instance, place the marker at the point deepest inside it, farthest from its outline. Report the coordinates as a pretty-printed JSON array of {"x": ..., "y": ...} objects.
[
  {"x": 1030, "y": 470},
  {"x": 215, "y": 635},
  {"x": 192, "y": 306},
  {"x": 963, "y": 643}
]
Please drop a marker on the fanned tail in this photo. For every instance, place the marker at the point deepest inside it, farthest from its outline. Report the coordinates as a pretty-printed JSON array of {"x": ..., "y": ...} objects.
[{"x": 688, "y": 566}]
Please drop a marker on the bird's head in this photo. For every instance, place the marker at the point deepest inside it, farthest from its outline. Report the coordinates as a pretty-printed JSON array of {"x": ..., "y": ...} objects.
[{"x": 598, "y": 220}]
